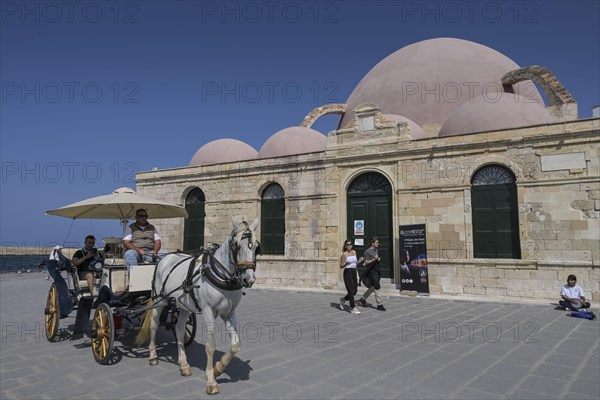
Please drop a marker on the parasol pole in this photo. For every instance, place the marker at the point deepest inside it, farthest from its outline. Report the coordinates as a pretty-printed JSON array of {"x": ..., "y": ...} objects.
[{"x": 124, "y": 223}]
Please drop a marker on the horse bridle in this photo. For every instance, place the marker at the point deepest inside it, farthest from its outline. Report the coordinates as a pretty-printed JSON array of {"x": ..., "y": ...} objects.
[{"x": 234, "y": 247}]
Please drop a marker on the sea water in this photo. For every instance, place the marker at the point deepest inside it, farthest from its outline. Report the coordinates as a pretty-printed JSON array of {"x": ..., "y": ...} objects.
[{"x": 23, "y": 263}]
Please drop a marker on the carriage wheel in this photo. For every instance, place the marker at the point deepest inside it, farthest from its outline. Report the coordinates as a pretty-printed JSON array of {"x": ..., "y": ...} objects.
[
  {"x": 103, "y": 334},
  {"x": 190, "y": 328},
  {"x": 51, "y": 314}
]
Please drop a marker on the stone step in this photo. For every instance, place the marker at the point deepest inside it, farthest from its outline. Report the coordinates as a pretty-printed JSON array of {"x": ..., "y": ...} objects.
[{"x": 387, "y": 287}]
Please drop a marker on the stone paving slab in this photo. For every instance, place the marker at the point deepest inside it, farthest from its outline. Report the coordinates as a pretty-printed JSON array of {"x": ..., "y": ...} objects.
[{"x": 299, "y": 344}]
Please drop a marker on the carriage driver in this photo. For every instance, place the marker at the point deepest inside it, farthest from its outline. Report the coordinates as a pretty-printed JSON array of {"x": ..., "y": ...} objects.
[{"x": 141, "y": 241}]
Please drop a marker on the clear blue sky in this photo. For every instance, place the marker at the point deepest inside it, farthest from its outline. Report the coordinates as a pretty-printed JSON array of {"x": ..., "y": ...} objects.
[{"x": 93, "y": 91}]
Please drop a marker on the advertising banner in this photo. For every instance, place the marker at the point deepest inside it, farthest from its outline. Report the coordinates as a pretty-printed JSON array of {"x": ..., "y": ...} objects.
[{"x": 414, "y": 274}]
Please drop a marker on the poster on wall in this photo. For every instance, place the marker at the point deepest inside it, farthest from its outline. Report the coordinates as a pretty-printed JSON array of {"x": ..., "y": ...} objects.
[{"x": 414, "y": 274}]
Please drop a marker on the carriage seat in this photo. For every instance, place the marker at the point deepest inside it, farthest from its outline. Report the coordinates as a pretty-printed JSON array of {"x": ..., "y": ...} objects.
[{"x": 83, "y": 285}]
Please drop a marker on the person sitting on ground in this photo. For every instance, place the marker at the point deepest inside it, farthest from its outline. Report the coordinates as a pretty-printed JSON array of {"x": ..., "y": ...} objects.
[
  {"x": 141, "y": 240},
  {"x": 84, "y": 258},
  {"x": 572, "y": 295}
]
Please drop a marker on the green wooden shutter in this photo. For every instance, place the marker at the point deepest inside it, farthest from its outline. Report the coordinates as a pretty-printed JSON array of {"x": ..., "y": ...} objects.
[
  {"x": 495, "y": 214},
  {"x": 272, "y": 211},
  {"x": 484, "y": 235},
  {"x": 507, "y": 221},
  {"x": 193, "y": 231}
]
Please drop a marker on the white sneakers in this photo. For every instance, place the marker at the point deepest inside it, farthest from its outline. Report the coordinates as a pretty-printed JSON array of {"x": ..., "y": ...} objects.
[{"x": 343, "y": 306}]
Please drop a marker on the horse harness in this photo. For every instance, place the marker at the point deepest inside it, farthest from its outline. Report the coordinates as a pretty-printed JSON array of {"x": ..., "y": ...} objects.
[{"x": 212, "y": 269}]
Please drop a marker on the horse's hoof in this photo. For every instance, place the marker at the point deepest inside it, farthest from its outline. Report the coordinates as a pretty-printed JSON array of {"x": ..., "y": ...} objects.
[
  {"x": 154, "y": 362},
  {"x": 216, "y": 373},
  {"x": 212, "y": 389},
  {"x": 185, "y": 371}
]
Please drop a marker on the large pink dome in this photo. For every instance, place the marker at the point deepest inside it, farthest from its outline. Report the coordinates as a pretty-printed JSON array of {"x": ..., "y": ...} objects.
[
  {"x": 223, "y": 151},
  {"x": 293, "y": 140},
  {"x": 508, "y": 111},
  {"x": 428, "y": 80}
]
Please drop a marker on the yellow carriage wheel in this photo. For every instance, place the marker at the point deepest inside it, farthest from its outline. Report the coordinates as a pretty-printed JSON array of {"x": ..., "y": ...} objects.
[
  {"x": 51, "y": 314},
  {"x": 103, "y": 334}
]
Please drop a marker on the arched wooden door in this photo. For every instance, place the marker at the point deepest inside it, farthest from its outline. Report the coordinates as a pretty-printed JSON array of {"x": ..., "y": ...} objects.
[{"x": 370, "y": 200}]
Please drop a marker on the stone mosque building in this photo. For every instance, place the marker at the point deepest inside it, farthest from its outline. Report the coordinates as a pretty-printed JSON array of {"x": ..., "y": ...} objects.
[{"x": 446, "y": 133}]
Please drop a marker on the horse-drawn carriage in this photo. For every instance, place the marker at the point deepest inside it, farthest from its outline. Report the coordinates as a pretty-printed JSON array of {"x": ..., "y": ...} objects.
[
  {"x": 171, "y": 293},
  {"x": 118, "y": 296}
]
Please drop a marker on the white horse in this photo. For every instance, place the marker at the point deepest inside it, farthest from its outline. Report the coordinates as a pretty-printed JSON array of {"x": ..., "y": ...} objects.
[{"x": 215, "y": 286}]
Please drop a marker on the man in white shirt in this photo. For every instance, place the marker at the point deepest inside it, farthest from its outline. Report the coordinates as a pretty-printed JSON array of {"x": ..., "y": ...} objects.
[
  {"x": 572, "y": 295},
  {"x": 141, "y": 240}
]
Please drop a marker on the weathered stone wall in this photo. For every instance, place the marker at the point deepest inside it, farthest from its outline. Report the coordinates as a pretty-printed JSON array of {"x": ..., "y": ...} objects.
[
  {"x": 234, "y": 189},
  {"x": 537, "y": 280},
  {"x": 558, "y": 209},
  {"x": 558, "y": 187}
]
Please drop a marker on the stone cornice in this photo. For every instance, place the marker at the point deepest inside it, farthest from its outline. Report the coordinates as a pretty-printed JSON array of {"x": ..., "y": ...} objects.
[{"x": 564, "y": 133}]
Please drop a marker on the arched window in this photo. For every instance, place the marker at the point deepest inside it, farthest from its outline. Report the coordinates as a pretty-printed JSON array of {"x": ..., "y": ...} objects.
[
  {"x": 495, "y": 213},
  {"x": 193, "y": 231},
  {"x": 272, "y": 220}
]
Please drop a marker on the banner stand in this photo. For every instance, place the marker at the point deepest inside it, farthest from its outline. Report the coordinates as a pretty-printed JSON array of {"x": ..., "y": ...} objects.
[{"x": 414, "y": 274}]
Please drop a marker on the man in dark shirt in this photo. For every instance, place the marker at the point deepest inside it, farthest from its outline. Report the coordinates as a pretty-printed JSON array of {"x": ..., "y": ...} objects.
[
  {"x": 374, "y": 274},
  {"x": 83, "y": 258}
]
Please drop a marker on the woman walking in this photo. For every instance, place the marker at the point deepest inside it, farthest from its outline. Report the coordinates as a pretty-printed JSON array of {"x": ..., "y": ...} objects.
[{"x": 349, "y": 262}]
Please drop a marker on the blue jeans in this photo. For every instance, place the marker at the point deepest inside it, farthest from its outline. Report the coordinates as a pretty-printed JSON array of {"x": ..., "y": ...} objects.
[
  {"x": 571, "y": 306},
  {"x": 133, "y": 258}
]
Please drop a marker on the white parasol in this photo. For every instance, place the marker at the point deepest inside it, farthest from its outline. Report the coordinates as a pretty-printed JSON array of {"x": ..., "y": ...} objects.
[{"x": 120, "y": 204}]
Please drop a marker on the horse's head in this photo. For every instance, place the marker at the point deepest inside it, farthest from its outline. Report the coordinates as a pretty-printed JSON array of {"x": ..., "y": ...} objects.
[{"x": 243, "y": 251}]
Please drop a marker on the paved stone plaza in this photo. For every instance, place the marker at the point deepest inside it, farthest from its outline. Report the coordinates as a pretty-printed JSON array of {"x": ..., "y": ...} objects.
[{"x": 300, "y": 345}]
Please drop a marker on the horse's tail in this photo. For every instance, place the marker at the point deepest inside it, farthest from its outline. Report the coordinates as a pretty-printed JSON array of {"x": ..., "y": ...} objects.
[{"x": 143, "y": 335}]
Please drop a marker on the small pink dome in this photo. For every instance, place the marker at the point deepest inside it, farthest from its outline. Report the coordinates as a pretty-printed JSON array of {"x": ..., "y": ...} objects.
[
  {"x": 293, "y": 140},
  {"x": 416, "y": 132},
  {"x": 223, "y": 151},
  {"x": 428, "y": 80},
  {"x": 487, "y": 114}
]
